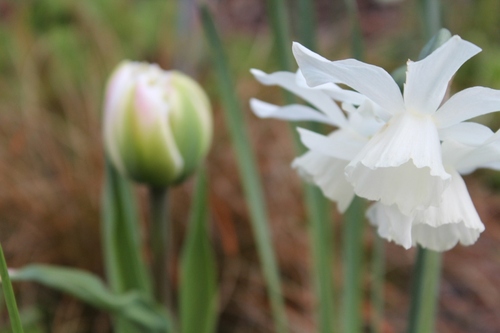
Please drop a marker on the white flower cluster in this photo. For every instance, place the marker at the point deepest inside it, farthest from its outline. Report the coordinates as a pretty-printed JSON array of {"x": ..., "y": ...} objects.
[{"x": 406, "y": 152}]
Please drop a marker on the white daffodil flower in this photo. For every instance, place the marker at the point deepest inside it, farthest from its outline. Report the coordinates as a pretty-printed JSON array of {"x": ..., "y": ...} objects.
[
  {"x": 401, "y": 164},
  {"x": 324, "y": 165},
  {"x": 455, "y": 219}
]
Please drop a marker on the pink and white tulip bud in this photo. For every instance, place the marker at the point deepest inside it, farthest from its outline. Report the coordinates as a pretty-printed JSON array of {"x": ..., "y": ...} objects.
[{"x": 157, "y": 124}]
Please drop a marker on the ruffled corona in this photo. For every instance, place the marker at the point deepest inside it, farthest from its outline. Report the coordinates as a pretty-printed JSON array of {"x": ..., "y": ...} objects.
[
  {"x": 401, "y": 165},
  {"x": 455, "y": 220},
  {"x": 436, "y": 228}
]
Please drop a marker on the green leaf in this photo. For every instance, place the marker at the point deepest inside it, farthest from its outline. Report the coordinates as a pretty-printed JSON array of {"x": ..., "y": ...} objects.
[
  {"x": 317, "y": 206},
  {"x": 198, "y": 294},
  {"x": 248, "y": 170},
  {"x": 278, "y": 17},
  {"x": 125, "y": 267},
  {"x": 10, "y": 298},
  {"x": 138, "y": 310}
]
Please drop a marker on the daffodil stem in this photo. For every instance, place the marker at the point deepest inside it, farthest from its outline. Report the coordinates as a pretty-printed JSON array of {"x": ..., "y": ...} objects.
[
  {"x": 279, "y": 19},
  {"x": 427, "y": 271},
  {"x": 377, "y": 288},
  {"x": 357, "y": 47},
  {"x": 159, "y": 232},
  {"x": 306, "y": 24},
  {"x": 321, "y": 237},
  {"x": 425, "y": 292},
  {"x": 353, "y": 266},
  {"x": 430, "y": 12},
  {"x": 10, "y": 299}
]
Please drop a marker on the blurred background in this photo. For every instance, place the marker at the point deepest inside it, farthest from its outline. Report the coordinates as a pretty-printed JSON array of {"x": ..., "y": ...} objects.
[{"x": 54, "y": 61}]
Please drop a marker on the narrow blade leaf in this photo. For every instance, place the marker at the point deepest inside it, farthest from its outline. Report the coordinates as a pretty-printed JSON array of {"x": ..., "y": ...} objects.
[
  {"x": 138, "y": 310},
  {"x": 198, "y": 269}
]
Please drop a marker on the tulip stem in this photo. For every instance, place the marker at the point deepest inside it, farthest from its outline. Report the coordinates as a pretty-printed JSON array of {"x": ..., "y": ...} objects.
[{"x": 159, "y": 230}]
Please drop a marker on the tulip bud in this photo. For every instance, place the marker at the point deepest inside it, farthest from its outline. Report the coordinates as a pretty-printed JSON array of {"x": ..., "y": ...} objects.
[{"x": 157, "y": 124}]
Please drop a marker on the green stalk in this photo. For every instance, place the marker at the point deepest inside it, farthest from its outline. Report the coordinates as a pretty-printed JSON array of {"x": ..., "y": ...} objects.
[
  {"x": 248, "y": 171},
  {"x": 10, "y": 298},
  {"x": 307, "y": 23},
  {"x": 430, "y": 13},
  {"x": 425, "y": 292},
  {"x": 278, "y": 15},
  {"x": 120, "y": 230},
  {"x": 125, "y": 268},
  {"x": 198, "y": 287},
  {"x": 356, "y": 35},
  {"x": 353, "y": 266},
  {"x": 427, "y": 269},
  {"x": 353, "y": 218},
  {"x": 159, "y": 230},
  {"x": 377, "y": 290},
  {"x": 317, "y": 205},
  {"x": 321, "y": 233}
]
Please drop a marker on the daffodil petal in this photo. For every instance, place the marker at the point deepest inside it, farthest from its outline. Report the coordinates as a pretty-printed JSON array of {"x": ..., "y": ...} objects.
[
  {"x": 401, "y": 164},
  {"x": 391, "y": 224},
  {"x": 293, "y": 112},
  {"x": 468, "y": 133},
  {"x": 340, "y": 144},
  {"x": 427, "y": 79},
  {"x": 364, "y": 120},
  {"x": 333, "y": 90},
  {"x": 467, "y": 104},
  {"x": 371, "y": 81},
  {"x": 328, "y": 174},
  {"x": 486, "y": 155},
  {"x": 317, "y": 98}
]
